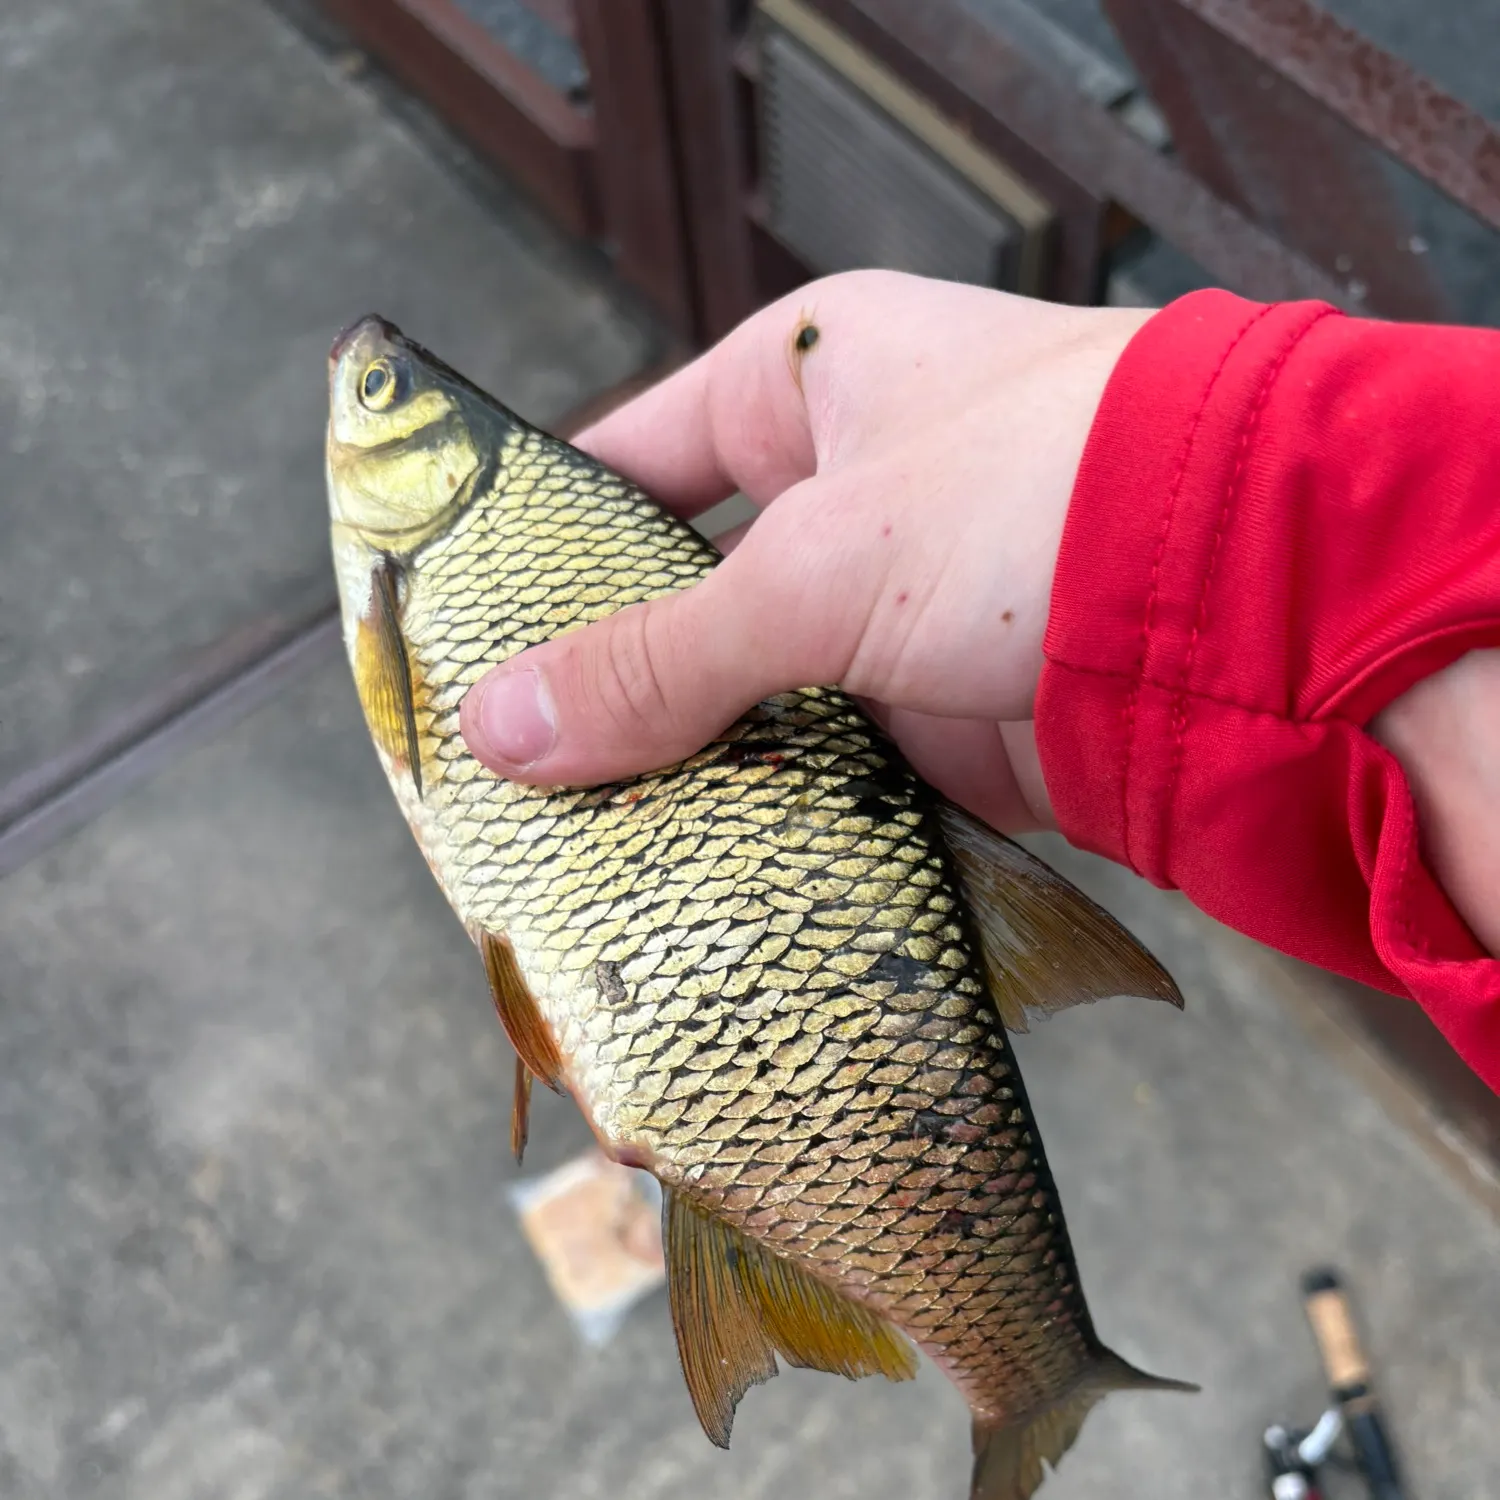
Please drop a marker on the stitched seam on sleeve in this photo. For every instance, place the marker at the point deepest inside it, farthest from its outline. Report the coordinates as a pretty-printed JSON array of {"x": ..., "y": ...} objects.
[
  {"x": 1132, "y": 702},
  {"x": 1199, "y": 694},
  {"x": 1232, "y": 492}
]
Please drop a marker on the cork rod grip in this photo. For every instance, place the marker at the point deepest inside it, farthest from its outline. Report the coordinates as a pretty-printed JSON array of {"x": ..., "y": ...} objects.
[{"x": 1332, "y": 1322}]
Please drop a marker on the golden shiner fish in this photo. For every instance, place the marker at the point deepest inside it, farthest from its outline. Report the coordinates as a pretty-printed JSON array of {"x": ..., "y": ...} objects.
[{"x": 777, "y": 975}]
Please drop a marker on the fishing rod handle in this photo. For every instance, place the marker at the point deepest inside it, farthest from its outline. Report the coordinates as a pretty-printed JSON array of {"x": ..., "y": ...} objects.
[{"x": 1348, "y": 1373}]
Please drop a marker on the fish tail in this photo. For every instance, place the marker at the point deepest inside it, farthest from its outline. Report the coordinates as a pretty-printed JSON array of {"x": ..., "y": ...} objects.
[{"x": 1011, "y": 1460}]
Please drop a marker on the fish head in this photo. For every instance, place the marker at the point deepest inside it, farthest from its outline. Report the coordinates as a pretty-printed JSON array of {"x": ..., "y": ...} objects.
[{"x": 406, "y": 438}]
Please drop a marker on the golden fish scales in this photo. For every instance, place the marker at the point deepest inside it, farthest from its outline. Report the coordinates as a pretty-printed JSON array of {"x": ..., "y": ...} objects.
[{"x": 773, "y": 975}]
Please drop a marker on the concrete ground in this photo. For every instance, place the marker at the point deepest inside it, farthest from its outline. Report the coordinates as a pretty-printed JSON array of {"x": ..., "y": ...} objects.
[
  {"x": 255, "y": 1240},
  {"x": 192, "y": 203}
]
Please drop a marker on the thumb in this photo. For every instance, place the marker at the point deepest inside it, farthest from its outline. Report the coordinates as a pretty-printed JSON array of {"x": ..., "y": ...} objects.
[{"x": 654, "y": 683}]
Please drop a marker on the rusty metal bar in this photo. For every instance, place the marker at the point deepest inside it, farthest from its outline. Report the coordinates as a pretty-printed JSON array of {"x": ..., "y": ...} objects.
[
  {"x": 710, "y": 140},
  {"x": 970, "y": 71},
  {"x": 491, "y": 98},
  {"x": 558, "y": 14},
  {"x": 636, "y": 163},
  {"x": 1417, "y": 1048},
  {"x": 1295, "y": 168},
  {"x": 232, "y": 680},
  {"x": 1420, "y": 125},
  {"x": 907, "y": 38}
]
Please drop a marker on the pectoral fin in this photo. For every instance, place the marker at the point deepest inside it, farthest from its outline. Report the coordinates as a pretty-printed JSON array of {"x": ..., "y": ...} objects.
[
  {"x": 735, "y": 1306},
  {"x": 1046, "y": 945},
  {"x": 519, "y": 1014},
  {"x": 382, "y": 674},
  {"x": 520, "y": 1112}
]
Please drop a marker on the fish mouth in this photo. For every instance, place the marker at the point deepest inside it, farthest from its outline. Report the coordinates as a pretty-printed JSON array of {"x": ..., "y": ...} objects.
[{"x": 377, "y": 328}]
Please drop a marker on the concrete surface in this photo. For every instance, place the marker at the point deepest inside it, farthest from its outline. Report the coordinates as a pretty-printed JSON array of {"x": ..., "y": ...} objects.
[
  {"x": 1206, "y": 1160},
  {"x": 254, "y": 1235},
  {"x": 192, "y": 202},
  {"x": 257, "y": 1242}
]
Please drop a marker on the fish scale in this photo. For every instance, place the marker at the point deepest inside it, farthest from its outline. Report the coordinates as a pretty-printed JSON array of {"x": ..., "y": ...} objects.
[
  {"x": 761, "y": 1150},
  {"x": 759, "y": 970}
]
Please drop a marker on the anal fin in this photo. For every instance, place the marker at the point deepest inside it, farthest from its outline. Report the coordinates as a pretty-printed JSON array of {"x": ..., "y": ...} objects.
[
  {"x": 1046, "y": 945},
  {"x": 519, "y": 1013},
  {"x": 735, "y": 1306},
  {"x": 382, "y": 674}
]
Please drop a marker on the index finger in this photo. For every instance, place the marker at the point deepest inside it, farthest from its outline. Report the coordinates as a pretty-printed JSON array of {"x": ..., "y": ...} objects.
[{"x": 732, "y": 420}]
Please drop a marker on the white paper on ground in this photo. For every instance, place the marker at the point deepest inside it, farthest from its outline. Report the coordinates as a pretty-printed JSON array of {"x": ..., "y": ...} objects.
[{"x": 596, "y": 1228}]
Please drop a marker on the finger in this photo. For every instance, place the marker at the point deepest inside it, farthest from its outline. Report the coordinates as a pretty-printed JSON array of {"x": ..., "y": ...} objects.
[
  {"x": 663, "y": 440},
  {"x": 727, "y": 541},
  {"x": 733, "y": 419},
  {"x": 967, "y": 760},
  {"x": 654, "y": 683},
  {"x": 1026, "y": 762}
]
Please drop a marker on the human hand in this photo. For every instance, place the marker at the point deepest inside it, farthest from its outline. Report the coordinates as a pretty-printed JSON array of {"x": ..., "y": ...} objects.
[
  {"x": 912, "y": 468},
  {"x": 1444, "y": 732}
]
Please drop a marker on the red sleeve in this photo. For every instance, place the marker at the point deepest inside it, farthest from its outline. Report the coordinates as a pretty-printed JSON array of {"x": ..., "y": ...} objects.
[{"x": 1284, "y": 518}]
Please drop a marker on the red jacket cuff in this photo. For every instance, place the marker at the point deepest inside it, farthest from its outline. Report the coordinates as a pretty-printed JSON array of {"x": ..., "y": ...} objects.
[{"x": 1283, "y": 519}]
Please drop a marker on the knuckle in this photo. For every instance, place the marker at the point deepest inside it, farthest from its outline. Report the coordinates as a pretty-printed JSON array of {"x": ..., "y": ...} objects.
[
  {"x": 816, "y": 580},
  {"x": 629, "y": 684},
  {"x": 865, "y": 279}
]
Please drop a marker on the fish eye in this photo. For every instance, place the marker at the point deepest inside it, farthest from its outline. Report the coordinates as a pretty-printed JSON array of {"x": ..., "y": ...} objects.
[{"x": 379, "y": 385}]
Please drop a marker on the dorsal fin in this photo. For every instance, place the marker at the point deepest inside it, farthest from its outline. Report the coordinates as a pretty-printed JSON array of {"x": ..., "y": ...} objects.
[
  {"x": 382, "y": 674},
  {"x": 735, "y": 1306},
  {"x": 519, "y": 1013},
  {"x": 1046, "y": 945}
]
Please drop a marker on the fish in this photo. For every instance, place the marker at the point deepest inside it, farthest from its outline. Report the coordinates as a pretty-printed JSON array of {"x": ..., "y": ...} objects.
[{"x": 779, "y": 976}]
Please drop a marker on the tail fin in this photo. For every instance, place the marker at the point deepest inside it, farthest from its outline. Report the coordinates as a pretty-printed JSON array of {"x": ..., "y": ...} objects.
[{"x": 1011, "y": 1461}]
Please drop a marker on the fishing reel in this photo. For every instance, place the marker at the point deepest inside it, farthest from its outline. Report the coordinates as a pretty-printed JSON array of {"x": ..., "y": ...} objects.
[{"x": 1294, "y": 1459}]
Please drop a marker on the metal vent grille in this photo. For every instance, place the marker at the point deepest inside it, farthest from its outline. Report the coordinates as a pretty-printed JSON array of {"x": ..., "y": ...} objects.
[{"x": 847, "y": 184}]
